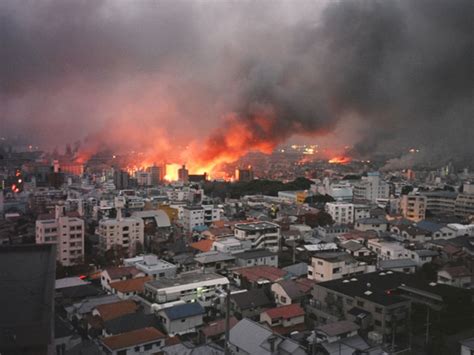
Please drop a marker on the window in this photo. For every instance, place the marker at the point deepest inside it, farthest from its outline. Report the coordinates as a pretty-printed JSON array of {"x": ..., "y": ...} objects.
[
  {"x": 183, "y": 320},
  {"x": 283, "y": 299},
  {"x": 378, "y": 309},
  {"x": 360, "y": 303},
  {"x": 137, "y": 348},
  {"x": 148, "y": 346},
  {"x": 349, "y": 301}
]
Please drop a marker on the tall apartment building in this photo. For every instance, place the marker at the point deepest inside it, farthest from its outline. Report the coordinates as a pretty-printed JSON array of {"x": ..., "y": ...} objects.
[
  {"x": 261, "y": 234},
  {"x": 193, "y": 216},
  {"x": 121, "y": 179},
  {"x": 183, "y": 174},
  {"x": 371, "y": 188},
  {"x": 464, "y": 206},
  {"x": 126, "y": 232},
  {"x": 66, "y": 231},
  {"x": 413, "y": 207}
]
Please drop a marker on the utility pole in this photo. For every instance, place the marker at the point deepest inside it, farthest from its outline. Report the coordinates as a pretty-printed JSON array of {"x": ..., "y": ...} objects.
[
  {"x": 227, "y": 322},
  {"x": 427, "y": 324}
]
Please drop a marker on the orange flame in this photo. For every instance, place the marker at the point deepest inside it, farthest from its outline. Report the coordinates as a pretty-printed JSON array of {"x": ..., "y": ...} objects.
[{"x": 340, "y": 160}]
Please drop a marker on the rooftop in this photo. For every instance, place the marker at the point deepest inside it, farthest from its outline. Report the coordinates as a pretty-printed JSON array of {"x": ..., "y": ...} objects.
[
  {"x": 184, "y": 310},
  {"x": 255, "y": 253},
  {"x": 265, "y": 272},
  {"x": 255, "y": 297},
  {"x": 203, "y": 245},
  {"x": 185, "y": 279},
  {"x": 135, "y": 337},
  {"x": 256, "y": 226},
  {"x": 130, "y": 285},
  {"x": 124, "y": 271},
  {"x": 396, "y": 263},
  {"x": 218, "y": 327},
  {"x": 212, "y": 257},
  {"x": 289, "y": 311},
  {"x": 338, "y": 328},
  {"x": 114, "y": 310}
]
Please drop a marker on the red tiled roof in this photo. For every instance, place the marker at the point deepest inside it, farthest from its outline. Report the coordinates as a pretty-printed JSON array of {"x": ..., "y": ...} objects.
[
  {"x": 130, "y": 285},
  {"x": 279, "y": 329},
  {"x": 135, "y": 337},
  {"x": 290, "y": 311},
  {"x": 218, "y": 327},
  {"x": 255, "y": 273},
  {"x": 114, "y": 310},
  {"x": 119, "y": 272},
  {"x": 203, "y": 245}
]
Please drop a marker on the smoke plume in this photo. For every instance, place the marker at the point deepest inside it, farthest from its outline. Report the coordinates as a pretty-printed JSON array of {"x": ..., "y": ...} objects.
[{"x": 209, "y": 81}]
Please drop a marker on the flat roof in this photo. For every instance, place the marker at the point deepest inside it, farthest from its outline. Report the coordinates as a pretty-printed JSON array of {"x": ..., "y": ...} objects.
[
  {"x": 184, "y": 279},
  {"x": 253, "y": 226}
]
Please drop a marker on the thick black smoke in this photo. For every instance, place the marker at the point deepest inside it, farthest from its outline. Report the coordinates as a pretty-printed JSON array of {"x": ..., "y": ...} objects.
[{"x": 174, "y": 68}]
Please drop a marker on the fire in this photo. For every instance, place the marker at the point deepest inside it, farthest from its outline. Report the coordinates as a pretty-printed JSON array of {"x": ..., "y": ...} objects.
[
  {"x": 340, "y": 160},
  {"x": 172, "y": 172}
]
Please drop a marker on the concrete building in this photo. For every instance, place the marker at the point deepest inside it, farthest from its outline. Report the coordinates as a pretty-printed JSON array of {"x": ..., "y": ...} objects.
[
  {"x": 121, "y": 179},
  {"x": 341, "y": 212},
  {"x": 261, "y": 234},
  {"x": 440, "y": 202},
  {"x": 256, "y": 257},
  {"x": 327, "y": 266},
  {"x": 371, "y": 188},
  {"x": 464, "y": 206},
  {"x": 244, "y": 174},
  {"x": 457, "y": 276},
  {"x": 193, "y": 216},
  {"x": 66, "y": 232},
  {"x": 124, "y": 232},
  {"x": 413, "y": 207},
  {"x": 183, "y": 174},
  {"x": 150, "y": 265},
  {"x": 371, "y": 224},
  {"x": 387, "y": 250},
  {"x": 231, "y": 245},
  {"x": 190, "y": 287}
]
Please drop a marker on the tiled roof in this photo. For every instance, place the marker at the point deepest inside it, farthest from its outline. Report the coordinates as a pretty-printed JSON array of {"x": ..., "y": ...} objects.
[
  {"x": 130, "y": 285},
  {"x": 218, "y": 327},
  {"x": 135, "y": 337},
  {"x": 117, "y": 309},
  {"x": 184, "y": 310},
  {"x": 203, "y": 245},
  {"x": 338, "y": 328},
  {"x": 119, "y": 272},
  {"x": 290, "y": 311},
  {"x": 256, "y": 273}
]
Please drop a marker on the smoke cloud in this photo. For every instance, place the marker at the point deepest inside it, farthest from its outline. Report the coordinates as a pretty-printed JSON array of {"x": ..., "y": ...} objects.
[{"x": 210, "y": 80}]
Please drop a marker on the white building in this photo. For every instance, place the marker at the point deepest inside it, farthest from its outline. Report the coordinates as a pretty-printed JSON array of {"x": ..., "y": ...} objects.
[
  {"x": 150, "y": 265},
  {"x": 387, "y": 250},
  {"x": 261, "y": 234},
  {"x": 231, "y": 245},
  {"x": 64, "y": 231},
  {"x": 191, "y": 287},
  {"x": 193, "y": 216},
  {"x": 328, "y": 266},
  {"x": 371, "y": 188},
  {"x": 413, "y": 207},
  {"x": 125, "y": 232},
  {"x": 341, "y": 212}
]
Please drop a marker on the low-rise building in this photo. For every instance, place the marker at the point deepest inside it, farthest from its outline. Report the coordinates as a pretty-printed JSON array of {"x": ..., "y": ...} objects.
[
  {"x": 287, "y": 292},
  {"x": 261, "y": 234},
  {"x": 182, "y": 319},
  {"x": 250, "y": 303},
  {"x": 145, "y": 341},
  {"x": 407, "y": 266},
  {"x": 256, "y": 257},
  {"x": 150, "y": 265},
  {"x": 457, "y": 276},
  {"x": 214, "y": 261},
  {"x": 387, "y": 250},
  {"x": 371, "y": 224},
  {"x": 284, "y": 316},
  {"x": 128, "y": 288},
  {"x": 248, "y": 337},
  {"x": 114, "y": 274},
  {"x": 190, "y": 287},
  {"x": 331, "y": 266}
]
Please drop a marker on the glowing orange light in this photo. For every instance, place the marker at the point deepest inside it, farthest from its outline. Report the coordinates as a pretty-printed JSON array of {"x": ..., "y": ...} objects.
[{"x": 339, "y": 160}]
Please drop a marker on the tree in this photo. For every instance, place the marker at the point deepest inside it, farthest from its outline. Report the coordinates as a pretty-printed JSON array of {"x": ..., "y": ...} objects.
[
  {"x": 319, "y": 219},
  {"x": 406, "y": 189}
]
